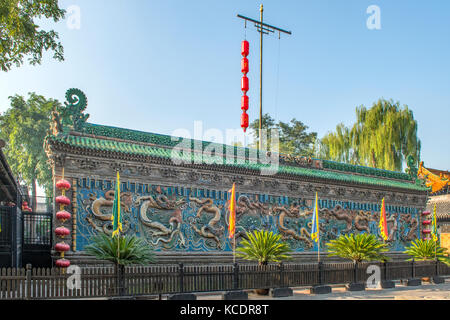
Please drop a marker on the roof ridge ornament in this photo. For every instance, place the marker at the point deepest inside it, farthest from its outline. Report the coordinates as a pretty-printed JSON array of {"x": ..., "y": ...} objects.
[{"x": 71, "y": 117}]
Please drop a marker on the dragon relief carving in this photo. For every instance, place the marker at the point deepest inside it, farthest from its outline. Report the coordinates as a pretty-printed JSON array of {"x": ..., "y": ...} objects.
[
  {"x": 101, "y": 221},
  {"x": 293, "y": 212},
  {"x": 161, "y": 203},
  {"x": 413, "y": 225},
  {"x": 209, "y": 230}
]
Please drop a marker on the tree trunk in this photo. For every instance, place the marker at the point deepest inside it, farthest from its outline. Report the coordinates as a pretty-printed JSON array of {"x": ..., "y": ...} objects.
[
  {"x": 374, "y": 161},
  {"x": 33, "y": 195}
]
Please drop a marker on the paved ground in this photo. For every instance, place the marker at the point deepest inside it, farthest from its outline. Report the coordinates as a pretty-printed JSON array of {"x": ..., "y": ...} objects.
[{"x": 424, "y": 292}]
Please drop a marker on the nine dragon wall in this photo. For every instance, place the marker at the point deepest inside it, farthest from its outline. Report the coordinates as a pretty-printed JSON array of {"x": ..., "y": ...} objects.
[{"x": 195, "y": 219}]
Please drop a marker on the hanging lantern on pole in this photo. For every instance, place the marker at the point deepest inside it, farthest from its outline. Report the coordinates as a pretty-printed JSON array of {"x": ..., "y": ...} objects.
[
  {"x": 244, "y": 121},
  {"x": 244, "y": 65},
  {"x": 244, "y": 102},
  {"x": 244, "y": 84},
  {"x": 245, "y": 49}
]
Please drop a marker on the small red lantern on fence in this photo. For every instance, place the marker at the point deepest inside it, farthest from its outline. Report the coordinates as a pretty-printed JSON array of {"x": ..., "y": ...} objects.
[
  {"x": 62, "y": 200},
  {"x": 63, "y": 184},
  {"x": 62, "y": 232},
  {"x": 62, "y": 263},
  {"x": 63, "y": 215},
  {"x": 62, "y": 247}
]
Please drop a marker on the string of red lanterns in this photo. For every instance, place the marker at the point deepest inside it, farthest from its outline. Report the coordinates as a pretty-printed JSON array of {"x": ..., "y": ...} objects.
[
  {"x": 62, "y": 215},
  {"x": 245, "y": 48}
]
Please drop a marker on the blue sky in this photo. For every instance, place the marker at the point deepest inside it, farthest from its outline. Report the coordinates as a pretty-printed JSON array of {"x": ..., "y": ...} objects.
[{"x": 161, "y": 65}]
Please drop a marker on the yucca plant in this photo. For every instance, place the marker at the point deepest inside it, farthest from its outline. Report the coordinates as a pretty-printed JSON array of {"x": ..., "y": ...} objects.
[
  {"x": 263, "y": 246},
  {"x": 358, "y": 248},
  {"x": 124, "y": 250},
  {"x": 426, "y": 250}
]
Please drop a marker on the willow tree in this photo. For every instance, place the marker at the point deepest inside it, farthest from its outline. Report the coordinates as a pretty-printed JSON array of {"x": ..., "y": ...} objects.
[
  {"x": 382, "y": 137},
  {"x": 338, "y": 146}
]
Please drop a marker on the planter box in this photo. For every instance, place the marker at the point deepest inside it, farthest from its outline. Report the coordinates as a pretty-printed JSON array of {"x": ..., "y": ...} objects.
[
  {"x": 387, "y": 284},
  {"x": 355, "y": 286},
  {"x": 438, "y": 280},
  {"x": 413, "y": 282},
  {"x": 281, "y": 292},
  {"x": 235, "y": 295},
  {"x": 320, "y": 290},
  {"x": 182, "y": 296}
]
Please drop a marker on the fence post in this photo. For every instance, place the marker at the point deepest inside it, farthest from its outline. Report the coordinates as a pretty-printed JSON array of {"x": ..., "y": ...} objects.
[
  {"x": 437, "y": 267},
  {"x": 235, "y": 276},
  {"x": 320, "y": 266},
  {"x": 181, "y": 276},
  {"x": 281, "y": 268},
  {"x": 28, "y": 282},
  {"x": 413, "y": 269}
]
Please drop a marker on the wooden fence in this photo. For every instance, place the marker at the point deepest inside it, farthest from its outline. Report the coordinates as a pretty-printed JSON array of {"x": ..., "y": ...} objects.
[{"x": 105, "y": 281}]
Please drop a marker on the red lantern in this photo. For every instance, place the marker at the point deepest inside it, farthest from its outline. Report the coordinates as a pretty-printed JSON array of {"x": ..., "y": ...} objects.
[
  {"x": 244, "y": 102},
  {"x": 244, "y": 65},
  {"x": 62, "y": 231},
  {"x": 62, "y": 263},
  {"x": 62, "y": 247},
  {"x": 63, "y": 215},
  {"x": 244, "y": 84},
  {"x": 426, "y": 222},
  {"x": 63, "y": 185},
  {"x": 244, "y": 121},
  {"x": 245, "y": 48},
  {"x": 426, "y": 231},
  {"x": 62, "y": 200}
]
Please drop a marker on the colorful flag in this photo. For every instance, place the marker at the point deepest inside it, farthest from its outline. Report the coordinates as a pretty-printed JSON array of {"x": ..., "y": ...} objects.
[
  {"x": 232, "y": 220},
  {"x": 434, "y": 226},
  {"x": 315, "y": 221},
  {"x": 383, "y": 222},
  {"x": 116, "y": 216}
]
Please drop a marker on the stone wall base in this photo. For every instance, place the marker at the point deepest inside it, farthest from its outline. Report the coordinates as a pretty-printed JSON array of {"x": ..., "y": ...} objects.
[{"x": 81, "y": 259}]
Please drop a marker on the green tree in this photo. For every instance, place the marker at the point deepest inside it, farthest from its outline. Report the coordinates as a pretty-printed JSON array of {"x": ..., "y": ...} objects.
[
  {"x": 24, "y": 127},
  {"x": 20, "y": 36},
  {"x": 268, "y": 123},
  {"x": 358, "y": 248},
  {"x": 263, "y": 246},
  {"x": 382, "y": 137},
  {"x": 295, "y": 140},
  {"x": 293, "y": 136}
]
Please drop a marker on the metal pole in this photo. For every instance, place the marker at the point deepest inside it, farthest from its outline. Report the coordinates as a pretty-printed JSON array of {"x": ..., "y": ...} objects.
[{"x": 260, "y": 77}]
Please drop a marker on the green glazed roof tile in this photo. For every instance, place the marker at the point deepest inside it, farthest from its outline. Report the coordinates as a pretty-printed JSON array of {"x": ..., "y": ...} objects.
[{"x": 132, "y": 148}]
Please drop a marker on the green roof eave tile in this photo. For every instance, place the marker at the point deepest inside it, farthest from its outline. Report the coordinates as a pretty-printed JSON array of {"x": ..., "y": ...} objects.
[
  {"x": 170, "y": 141},
  {"x": 129, "y": 148}
]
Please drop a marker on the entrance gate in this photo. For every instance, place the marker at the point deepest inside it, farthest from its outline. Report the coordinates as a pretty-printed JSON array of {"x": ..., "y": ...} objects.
[{"x": 37, "y": 239}]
